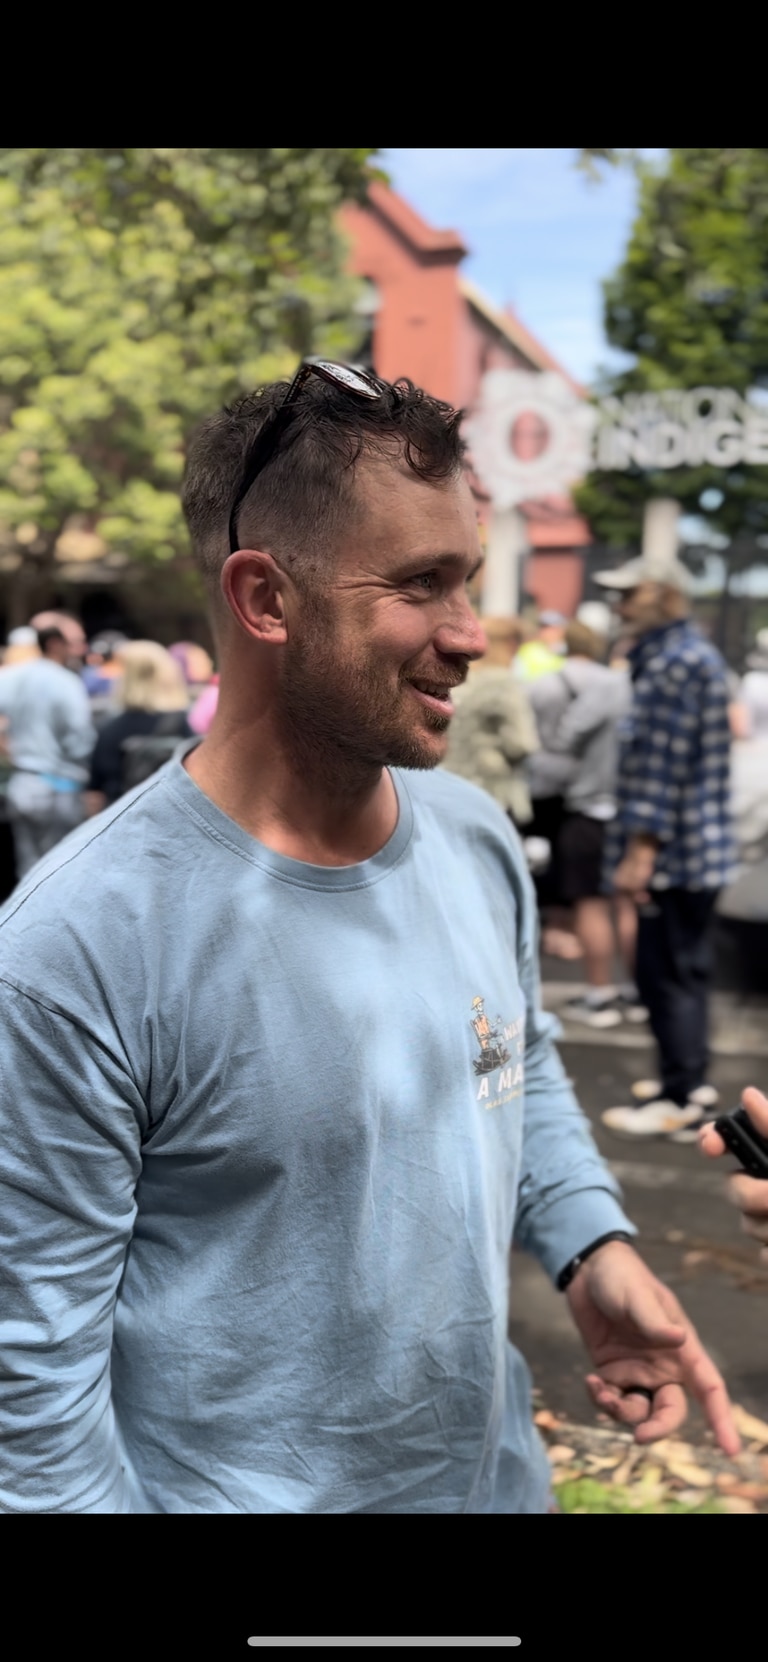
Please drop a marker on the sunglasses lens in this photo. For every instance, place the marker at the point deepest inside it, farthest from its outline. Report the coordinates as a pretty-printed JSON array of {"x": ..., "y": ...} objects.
[{"x": 345, "y": 377}]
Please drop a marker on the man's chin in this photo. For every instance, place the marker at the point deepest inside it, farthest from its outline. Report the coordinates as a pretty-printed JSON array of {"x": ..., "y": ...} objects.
[{"x": 427, "y": 750}]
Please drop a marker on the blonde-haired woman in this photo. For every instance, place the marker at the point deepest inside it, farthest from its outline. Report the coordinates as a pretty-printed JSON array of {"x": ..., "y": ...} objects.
[{"x": 153, "y": 699}]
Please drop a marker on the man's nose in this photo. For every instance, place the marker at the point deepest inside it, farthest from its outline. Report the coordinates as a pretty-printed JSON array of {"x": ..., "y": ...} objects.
[{"x": 462, "y": 635}]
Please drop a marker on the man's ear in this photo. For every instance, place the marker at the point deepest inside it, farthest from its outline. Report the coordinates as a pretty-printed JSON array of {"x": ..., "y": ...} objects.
[{"x": 254, "y": 587}]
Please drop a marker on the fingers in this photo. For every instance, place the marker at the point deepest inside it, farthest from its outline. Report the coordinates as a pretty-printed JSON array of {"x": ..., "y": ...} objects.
[
  {"x": 750, "y": 1194},
  {"x": 711, "y": 1143},
  {"x": 650, "y": 1420},
  {"x": 668, "y": 1412},
  {"x": 702, "y": 1379},
  {"x": 696, "y": 1375},
  {"x": 756, "y": 1105},
  {"x": 755, "y": 1226}
]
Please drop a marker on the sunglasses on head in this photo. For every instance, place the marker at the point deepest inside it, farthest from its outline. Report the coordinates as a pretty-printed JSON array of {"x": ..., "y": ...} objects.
[{"x": 337, "y": 375}]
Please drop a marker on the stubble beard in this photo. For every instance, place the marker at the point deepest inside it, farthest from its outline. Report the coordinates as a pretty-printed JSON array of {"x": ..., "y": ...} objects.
[{"x": 338, "y": 719}]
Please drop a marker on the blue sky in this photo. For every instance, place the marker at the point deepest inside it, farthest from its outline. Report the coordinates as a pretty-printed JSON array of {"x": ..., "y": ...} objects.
[{"x": 541, "y": 236}]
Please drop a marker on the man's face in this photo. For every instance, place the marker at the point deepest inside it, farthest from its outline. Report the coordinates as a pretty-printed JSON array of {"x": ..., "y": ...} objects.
[
  {"x": 642, "y": 608},
  {"x": 371, "y": 661},
  {"x": 77, "y": 645}
]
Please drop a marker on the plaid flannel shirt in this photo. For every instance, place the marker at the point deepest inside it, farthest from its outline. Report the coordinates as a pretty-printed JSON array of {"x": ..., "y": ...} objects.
[{"x": 674, "y": 761}]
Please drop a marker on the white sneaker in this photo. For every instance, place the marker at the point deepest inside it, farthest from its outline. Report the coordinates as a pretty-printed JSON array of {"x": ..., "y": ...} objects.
[
  {"x": 602, "y": 1015},
  {"x": 659, "y": 1119},
  {"x": 705, "y": 1096},
  {"x": 632, "y": 1009},
  {"x": 647, "y": 1090}
]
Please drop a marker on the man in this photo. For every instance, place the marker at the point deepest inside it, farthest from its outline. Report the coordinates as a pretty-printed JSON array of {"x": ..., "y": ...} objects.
[
  {"x": 72, "y": 631},
  {"x": 750, "y": 1194},
  {"x": 50, "y": 738},
  {"x": 263, "y": 1172},
  {"x": 671, "y": 845}
]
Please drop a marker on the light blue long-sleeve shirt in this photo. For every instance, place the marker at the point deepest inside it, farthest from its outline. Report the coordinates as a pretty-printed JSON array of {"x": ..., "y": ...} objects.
[
  {"x": 49, "y": 719},
  {"x": 268, "y": 1131}
]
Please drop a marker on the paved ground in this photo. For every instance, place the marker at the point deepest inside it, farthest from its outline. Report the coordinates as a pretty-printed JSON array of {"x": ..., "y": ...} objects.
[{"x": 689, "y": 1233}]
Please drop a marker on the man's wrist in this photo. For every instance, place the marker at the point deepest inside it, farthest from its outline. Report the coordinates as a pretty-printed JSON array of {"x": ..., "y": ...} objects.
[{"x": 567, "y": 1274}]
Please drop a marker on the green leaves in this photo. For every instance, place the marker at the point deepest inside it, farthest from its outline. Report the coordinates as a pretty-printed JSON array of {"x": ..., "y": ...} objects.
[{"x": 139, "y": 289}]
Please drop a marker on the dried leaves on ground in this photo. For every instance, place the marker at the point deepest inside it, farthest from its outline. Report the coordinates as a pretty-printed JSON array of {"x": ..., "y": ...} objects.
[{"x": 597, "y": 1468}]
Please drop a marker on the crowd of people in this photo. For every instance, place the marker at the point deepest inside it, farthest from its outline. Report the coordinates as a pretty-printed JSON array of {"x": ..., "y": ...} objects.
[
  {"x": 278, "y": 1091},
  {"x": 624, "y": 751},
  {"x": 83, "y": 723}
]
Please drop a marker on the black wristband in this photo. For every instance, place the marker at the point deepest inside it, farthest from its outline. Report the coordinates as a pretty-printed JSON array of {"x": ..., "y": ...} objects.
[{"x": 566, "y": 1276}]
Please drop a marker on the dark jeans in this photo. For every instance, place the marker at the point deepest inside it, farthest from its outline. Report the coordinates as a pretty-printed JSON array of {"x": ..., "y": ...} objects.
[{"x": 673, "y": 974}]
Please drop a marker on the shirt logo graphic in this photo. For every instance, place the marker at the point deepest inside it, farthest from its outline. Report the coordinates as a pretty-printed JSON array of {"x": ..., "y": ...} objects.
[
  {"x": 490, "y": 1039},
  {"x": 497, "y": 1040}
]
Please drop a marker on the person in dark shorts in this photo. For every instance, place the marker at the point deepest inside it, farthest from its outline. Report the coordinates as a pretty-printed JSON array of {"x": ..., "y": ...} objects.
[{"x": 579, "y": 708}]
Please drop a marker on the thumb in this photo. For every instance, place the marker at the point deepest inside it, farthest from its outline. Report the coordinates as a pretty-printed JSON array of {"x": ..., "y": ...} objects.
[{"x": 646, "y": 1312}]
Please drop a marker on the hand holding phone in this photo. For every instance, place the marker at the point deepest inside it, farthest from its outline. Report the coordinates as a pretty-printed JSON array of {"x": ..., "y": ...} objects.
[
  {"x": 745, "y": 1134},
  {"x": 743, "y": 1139}
]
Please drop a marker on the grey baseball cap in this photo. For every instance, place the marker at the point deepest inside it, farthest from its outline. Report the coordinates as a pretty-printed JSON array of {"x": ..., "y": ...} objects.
[{"x": 671, "y": 572}]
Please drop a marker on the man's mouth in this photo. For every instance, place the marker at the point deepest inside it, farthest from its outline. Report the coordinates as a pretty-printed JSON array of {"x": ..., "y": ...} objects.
[{"x": 435, "y": 694}]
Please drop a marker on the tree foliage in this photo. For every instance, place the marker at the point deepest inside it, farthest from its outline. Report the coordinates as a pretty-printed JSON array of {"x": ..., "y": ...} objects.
[
  {"x": 689, "y": 304},
  {"x": 138, "y": 290}
]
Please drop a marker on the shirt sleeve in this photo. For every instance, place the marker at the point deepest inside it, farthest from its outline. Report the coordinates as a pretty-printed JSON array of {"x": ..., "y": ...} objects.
[
  {"x": 71, "y": 1135},
  {"x": 567, "y": 1197}
]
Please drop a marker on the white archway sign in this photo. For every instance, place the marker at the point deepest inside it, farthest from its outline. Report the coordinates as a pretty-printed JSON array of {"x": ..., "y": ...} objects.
[{"x": 530, "y": 436}]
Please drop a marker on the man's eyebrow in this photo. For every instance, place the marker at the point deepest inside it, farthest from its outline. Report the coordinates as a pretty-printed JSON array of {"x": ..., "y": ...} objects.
[{"x": 446, "y": 561}]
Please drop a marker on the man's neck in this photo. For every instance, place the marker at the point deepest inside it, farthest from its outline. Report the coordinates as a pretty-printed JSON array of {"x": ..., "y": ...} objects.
[{"x": 315, "y": 815}]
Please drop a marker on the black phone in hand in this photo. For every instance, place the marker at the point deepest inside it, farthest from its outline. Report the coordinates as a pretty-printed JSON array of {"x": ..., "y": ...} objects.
[{"x": 741, "y": 1138}]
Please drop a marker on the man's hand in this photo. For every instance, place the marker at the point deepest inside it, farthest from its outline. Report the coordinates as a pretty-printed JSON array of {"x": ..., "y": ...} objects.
[
  {"x": 638, "y": 1335},
  {"x": 750, "y": 1194},
  {"x": 633, "y": 875}
]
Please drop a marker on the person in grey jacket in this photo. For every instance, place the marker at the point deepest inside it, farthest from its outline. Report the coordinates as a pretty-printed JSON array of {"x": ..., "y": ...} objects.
[{"x": 576, "y": 711}]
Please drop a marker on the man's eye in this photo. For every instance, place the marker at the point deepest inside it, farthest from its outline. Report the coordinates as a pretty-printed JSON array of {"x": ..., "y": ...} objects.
[{"x": 425, "y": 578}]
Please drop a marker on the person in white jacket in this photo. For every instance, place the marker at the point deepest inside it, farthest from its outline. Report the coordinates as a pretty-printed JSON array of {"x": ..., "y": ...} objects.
[{"x": 49, "y": 736}]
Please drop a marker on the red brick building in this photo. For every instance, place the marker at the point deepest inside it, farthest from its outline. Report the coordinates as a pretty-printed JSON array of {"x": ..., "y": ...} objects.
[{"x": 429, "y": 323}]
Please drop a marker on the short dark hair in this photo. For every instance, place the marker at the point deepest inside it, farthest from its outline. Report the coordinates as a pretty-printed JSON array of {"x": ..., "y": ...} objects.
[
  {"x": 298, "y": 504},
  {"x": 45, "y": 636}
]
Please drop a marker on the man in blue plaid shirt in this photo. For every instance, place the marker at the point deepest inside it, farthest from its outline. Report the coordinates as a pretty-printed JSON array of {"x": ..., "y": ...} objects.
[{"x": 671, "y": 845}]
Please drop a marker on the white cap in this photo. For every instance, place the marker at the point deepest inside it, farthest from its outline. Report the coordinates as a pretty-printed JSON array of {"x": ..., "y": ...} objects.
[
  {"x": 671, "y": 572},
  {"x": 596, "y": 616},
  {"x": 22, "y": 637}
]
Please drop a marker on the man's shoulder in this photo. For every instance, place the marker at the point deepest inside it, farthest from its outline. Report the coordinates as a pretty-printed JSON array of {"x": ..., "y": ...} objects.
[
  {"x": 84, "y": 873},
  {"x": 458, "y": 806},
  {"x": 681, "y": 657},
  {"x": 688, "y": 646}
]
